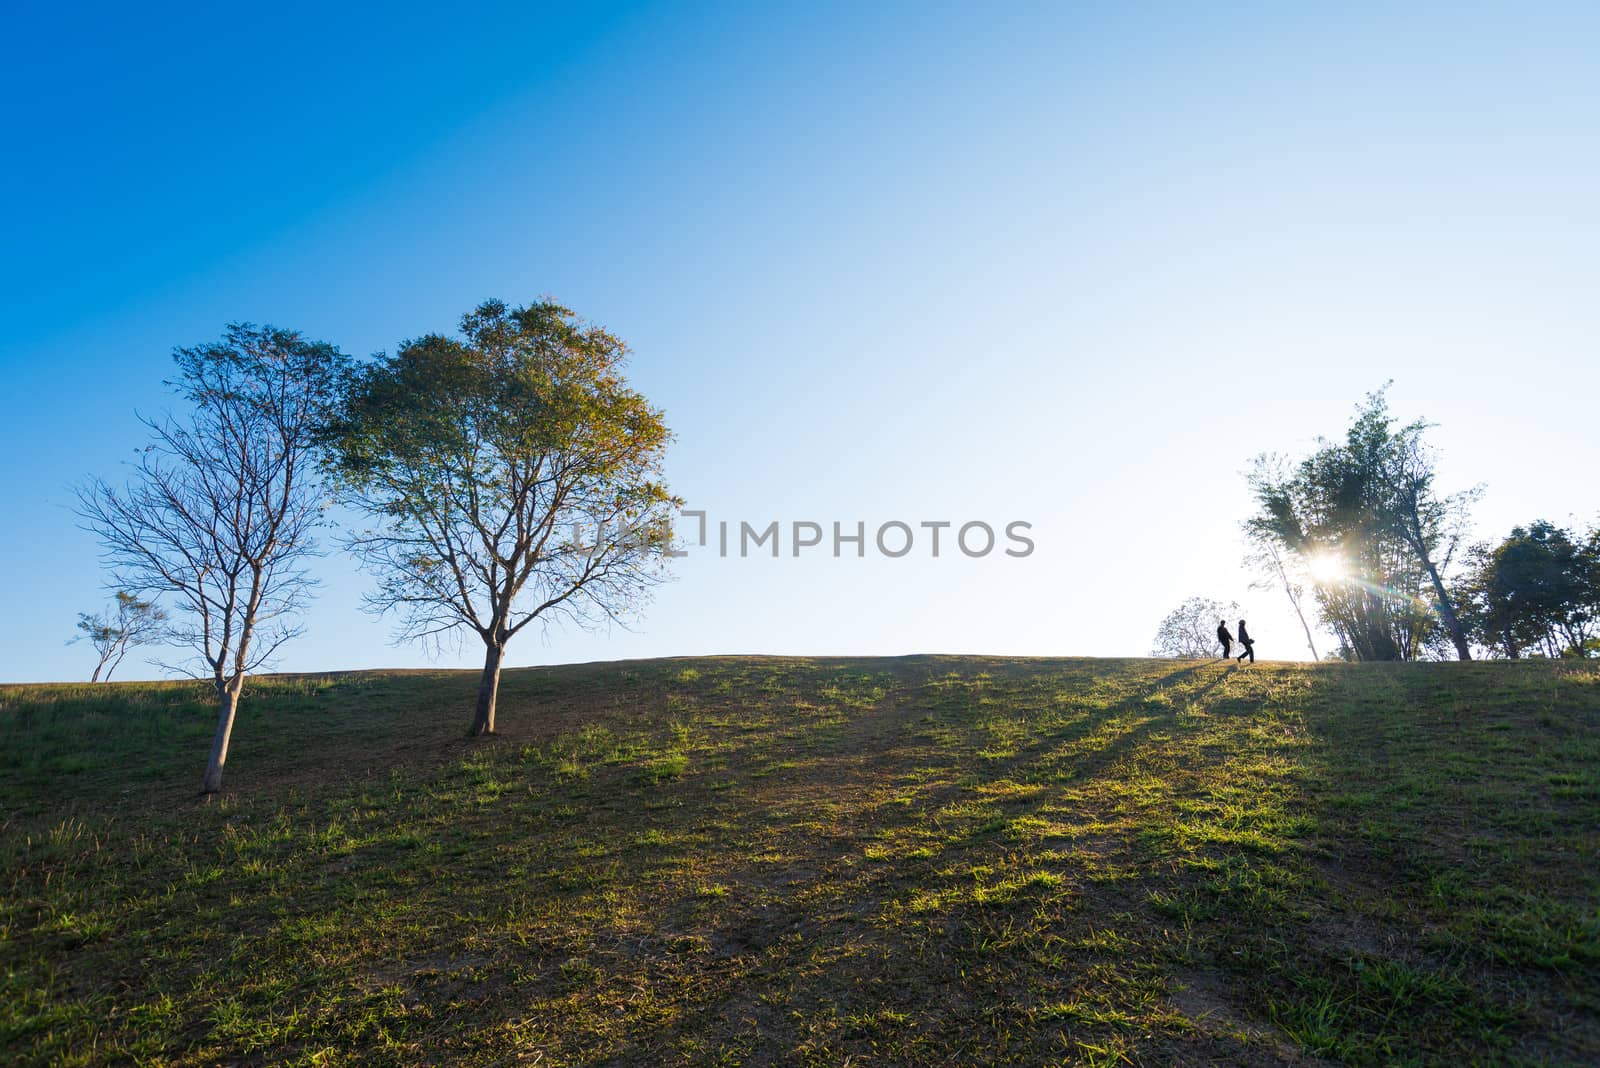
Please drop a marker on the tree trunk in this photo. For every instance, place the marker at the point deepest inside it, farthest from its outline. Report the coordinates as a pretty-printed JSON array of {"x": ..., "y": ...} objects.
[
  {"x": 488, "y": 690},
  {"x": 1295, "y": 601},
  {"x": 1447, "y": 612},
  {"x": 227, "y": 707}
]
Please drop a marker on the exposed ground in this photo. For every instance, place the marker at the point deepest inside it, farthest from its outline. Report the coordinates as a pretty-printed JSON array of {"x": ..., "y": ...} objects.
[{"x": 925, "y": 860}]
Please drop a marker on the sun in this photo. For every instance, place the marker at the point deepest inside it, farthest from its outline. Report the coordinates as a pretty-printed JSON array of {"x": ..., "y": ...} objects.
[{"x": 1327, "y": 568}]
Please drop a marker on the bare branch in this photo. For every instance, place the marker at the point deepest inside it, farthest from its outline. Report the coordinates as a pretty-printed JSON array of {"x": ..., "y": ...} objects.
[{"x": 220, "y": 508}]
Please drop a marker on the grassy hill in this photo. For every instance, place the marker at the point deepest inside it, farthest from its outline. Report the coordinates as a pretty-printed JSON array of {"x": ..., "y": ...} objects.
[{"x": 926, "y": 860}]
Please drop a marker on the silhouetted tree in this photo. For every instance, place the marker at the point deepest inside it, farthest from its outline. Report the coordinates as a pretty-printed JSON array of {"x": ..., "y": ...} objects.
[
  {"x": 1369, "y": 502},
  {"x": 1538, "y": 589},
  {"x": 129, "y": 623},
  {"x": 512, "y": 476},
  {"x": 220, "y": 509}
]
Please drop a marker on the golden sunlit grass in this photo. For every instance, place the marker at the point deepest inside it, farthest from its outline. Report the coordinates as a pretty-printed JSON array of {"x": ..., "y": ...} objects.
[{"x": 926, "y": 860}]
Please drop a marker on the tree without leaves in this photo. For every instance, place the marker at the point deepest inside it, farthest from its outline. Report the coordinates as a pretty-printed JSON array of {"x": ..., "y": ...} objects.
[
  {"x": 1190, "y": 630},
  {"x": 513, "y": 477},
  {"x": 130, "y": 623},
  {"x": 220, "y": 509}
]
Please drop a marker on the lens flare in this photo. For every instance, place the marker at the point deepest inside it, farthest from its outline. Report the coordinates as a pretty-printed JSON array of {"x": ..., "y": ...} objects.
[{"x": 1328, "y": 568}]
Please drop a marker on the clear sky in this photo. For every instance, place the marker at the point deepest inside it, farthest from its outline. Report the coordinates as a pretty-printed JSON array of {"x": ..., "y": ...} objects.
[{"x": 1070, "y": 264}]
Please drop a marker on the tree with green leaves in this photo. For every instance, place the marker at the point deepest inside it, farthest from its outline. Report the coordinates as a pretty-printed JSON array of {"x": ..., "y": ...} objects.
[
  {"x": 1362, "y": 518},
  {"x": 510, "y": 475},
  {"x": 129, "y": 623},
  {"x": 1537, "y": 590},
  {"x": 221, "y": 506}
]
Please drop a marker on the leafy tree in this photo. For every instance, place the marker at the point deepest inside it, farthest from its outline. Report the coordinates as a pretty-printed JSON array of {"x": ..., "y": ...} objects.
[
  {"x": 221, "y": 506},
  {"x": 511, "y": 476},
  {"x": 1367, "y": 505},
  {"x": 1537, "y": 589},
  {"x": 131, "y": 622},
  {"x": 1190, "y": 630}
]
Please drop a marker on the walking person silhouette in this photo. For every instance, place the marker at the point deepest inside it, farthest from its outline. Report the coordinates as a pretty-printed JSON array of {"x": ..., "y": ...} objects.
[
  {"x": 1225, "y": 638},
  {"x": 1248, "y": 643}
]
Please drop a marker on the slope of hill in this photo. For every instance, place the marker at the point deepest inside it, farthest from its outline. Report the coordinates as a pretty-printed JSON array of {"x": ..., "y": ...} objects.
[{"x": 925, "y": 860}]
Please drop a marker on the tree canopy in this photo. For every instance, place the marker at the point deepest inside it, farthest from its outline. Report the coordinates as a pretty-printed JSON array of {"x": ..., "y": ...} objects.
[
  {"x": 1537, "y": 590},
  {"x": 509, "y": 475},
  {"x": 1363, "y": 518}
]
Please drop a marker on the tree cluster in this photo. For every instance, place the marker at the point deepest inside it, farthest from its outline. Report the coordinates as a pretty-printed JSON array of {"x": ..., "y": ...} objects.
[
  {"x": 1361, "y": 527},
  {"x": 1362, "y": 518},
  {"x": 504, "y": 476},
  {"x": 1536, "y": 592}
]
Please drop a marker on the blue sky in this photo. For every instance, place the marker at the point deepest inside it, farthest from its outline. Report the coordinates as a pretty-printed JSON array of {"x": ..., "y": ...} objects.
[{"x": 1066, "y": 264}]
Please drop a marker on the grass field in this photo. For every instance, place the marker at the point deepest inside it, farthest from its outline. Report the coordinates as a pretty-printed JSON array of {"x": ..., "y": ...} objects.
[{"x": 926, "y": 860}]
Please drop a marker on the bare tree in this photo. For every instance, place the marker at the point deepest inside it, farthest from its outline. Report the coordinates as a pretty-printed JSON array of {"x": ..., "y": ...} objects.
[
  {"x": 1190, "y": 630},
  {"x": 130, "y": 623},
  {"x": 513, "y": 477},
  {"x": 220, "y": 508}
]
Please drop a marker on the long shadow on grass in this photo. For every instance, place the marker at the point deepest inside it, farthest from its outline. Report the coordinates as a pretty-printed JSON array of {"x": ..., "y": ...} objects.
[
  {"x": 648, "y": 909},
  {"x": 1013, "y": 961},
  {"x": 1457, "y": 808},
  {"x": 923, "y": 861}
]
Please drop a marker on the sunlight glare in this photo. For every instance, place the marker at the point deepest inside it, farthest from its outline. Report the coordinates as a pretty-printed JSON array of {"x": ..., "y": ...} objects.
[{"x": 1327, "y": 568}]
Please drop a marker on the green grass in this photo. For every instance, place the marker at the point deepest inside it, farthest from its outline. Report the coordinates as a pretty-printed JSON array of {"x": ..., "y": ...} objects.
[{"x": 926, "y": 860}]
